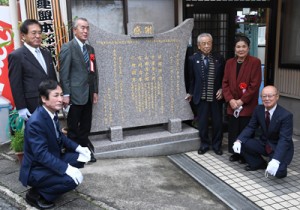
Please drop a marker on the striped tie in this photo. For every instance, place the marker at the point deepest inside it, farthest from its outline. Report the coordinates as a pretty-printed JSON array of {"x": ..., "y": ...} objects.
[{"x": 86, "y": 57}]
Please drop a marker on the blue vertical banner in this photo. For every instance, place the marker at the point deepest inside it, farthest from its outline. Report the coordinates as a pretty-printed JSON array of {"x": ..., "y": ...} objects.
[{"x": 262, "y": 84}]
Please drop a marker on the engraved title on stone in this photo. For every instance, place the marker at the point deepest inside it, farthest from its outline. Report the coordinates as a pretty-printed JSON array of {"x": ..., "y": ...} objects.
[{"x": 141, "y": 76}]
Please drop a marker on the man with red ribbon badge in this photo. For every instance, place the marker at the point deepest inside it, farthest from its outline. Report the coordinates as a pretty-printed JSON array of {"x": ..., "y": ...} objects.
[{"x": 79, "y": 80}]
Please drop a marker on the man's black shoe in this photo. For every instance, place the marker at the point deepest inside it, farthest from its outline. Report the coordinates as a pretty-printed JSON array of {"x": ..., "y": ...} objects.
[
  {"x": 219, "y": 152},
  {"x": 202, "y": 151},
  {"x": 242, "y": 160},
  {"x": 93, "y": 159},
  {"x": 248, "y": 168},
  {"x": 234, "y": 157},
  {"x": 262, "y": 166},
  {"x": 34, "y": 199}
]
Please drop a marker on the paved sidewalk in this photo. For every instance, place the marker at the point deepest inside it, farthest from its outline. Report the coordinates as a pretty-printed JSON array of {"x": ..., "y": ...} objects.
[
  {"x": 129, "y": 184},
  {"x": 266, "y": 193},
  {"x": 156, "y": 183}
]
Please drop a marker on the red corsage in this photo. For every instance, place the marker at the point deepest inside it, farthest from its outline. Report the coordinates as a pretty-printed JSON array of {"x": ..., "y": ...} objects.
[
  {"x": 92, "y": 58},
  {"x": 243, "y": 86}
]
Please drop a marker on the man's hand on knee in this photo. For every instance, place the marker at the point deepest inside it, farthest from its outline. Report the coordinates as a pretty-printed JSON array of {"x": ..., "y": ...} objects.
[
  {"x": 75, "y": 174},
  {"x": 272, "y": 167},
  {"x": 237, "y": 146}
]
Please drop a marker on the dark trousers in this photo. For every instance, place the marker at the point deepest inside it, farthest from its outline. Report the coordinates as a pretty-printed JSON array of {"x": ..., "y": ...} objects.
[
  {"x": 32, "y": 104},
  {"x": 252, "y": 151},
  {"x": 79, "y": 124},
  {"x": 235, "y": 127},
  {"x": 52, "y": 185},
  {"x": 204, "y": 111}
]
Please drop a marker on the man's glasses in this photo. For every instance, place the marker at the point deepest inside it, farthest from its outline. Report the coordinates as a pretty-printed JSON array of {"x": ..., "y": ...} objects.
[
  {"x": 268, "y": 96},
  {"x": 205, "y": 43}
]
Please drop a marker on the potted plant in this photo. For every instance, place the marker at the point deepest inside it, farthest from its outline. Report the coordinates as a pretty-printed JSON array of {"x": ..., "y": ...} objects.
[
  {"x": 17, "y": 143},
  {"x": 17, "y": 134}
]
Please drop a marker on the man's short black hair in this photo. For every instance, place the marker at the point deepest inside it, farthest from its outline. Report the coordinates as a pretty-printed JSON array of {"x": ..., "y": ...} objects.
[
  {"x": 45, "y": 87},
  {"x": 24, "y": 26}
]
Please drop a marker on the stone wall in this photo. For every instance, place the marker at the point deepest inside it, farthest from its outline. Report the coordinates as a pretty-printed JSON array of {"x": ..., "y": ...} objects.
[{"x": 141, "y": 76}]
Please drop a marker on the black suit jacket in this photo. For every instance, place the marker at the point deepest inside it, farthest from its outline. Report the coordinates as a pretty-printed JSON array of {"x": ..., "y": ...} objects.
[
  {"x": 25, "y": 75},
  {"x": 195, "y": 70}
]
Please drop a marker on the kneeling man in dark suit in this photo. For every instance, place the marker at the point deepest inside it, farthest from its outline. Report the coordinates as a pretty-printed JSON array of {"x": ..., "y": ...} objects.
[
  {"x": 51, "y": 160},
  {"x": 275, "y": 142}
]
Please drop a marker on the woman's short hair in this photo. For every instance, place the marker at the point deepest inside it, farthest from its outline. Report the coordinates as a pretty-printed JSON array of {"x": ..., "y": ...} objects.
[{"x": 242, "y": 37}]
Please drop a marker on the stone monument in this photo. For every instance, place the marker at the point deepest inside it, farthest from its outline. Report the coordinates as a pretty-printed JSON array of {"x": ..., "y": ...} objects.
[{"x": 141, "y": 82}]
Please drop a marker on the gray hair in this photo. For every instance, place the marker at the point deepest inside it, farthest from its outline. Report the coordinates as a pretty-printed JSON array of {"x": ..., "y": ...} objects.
[
  {"x": 75, "y": 23},
  {"x": 204, "y": 35}
]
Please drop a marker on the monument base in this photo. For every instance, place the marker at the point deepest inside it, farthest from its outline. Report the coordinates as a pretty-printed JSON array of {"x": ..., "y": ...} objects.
[{"x": 147, "y": 141}]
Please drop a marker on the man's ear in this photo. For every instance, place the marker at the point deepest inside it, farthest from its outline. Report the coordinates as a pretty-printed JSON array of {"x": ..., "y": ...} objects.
[
  {"x": 43, "y": 99},
  {"x": 23, "y": 37}
]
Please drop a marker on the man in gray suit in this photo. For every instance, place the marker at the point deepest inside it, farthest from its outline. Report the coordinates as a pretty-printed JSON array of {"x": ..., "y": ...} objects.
[
  {"x": 79, "y": 81},
  {"x": 28, "y": 67}
]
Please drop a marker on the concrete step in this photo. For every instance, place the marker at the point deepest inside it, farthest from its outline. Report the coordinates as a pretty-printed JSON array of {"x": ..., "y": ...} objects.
[{"x": 146, "y": 141}]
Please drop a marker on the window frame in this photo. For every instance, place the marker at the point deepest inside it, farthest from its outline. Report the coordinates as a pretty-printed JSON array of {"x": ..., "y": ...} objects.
[{"x": 284, "y": 36}]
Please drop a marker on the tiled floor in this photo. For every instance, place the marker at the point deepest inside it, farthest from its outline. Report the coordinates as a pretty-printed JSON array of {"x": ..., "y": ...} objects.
[{"x": 268, "y": 193}]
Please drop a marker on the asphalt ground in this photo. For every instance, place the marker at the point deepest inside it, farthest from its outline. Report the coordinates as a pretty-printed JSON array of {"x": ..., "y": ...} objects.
[{"x": 131, "y": 183}]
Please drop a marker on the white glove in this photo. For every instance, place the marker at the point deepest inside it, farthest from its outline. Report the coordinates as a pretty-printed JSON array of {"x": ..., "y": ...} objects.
[
  {"x": 84, "y": 154},
  {"x": 66, "y": 110},
  {"x": 272, "y": 167},
  {"x": 187, "y": 96},
  {"x": 24, "y": 113},
  {"x": 237, "y": 111},
  {"x": 237, "y": 147},
  {"x": 75, "y": 174}
]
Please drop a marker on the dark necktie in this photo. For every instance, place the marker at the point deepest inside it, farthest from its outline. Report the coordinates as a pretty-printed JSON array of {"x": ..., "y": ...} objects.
[
  {"x": 86, "y": 57},
  {"x": 268, "y": 147},
  {"x": 58, "y": 135},
  {"x": 267, "y": 119},
  {"x": 55, "y": 119},
  {"x": 206, "y": 61}
]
